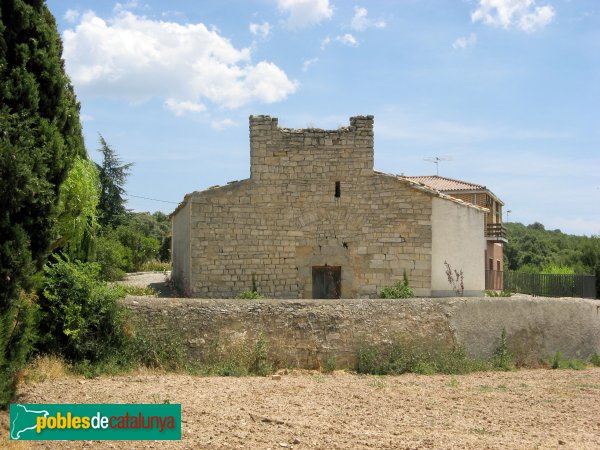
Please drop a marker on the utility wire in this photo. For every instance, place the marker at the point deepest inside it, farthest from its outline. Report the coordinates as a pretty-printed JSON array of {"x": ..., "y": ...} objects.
[{"x": 153, "y": 199}]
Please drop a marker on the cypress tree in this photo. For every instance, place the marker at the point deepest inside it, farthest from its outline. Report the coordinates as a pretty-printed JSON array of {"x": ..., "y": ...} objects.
[{"x": 40, "y": 137}]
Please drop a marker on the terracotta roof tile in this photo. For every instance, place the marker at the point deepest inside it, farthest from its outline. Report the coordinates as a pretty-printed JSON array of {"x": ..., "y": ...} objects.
[{"x": 446, "y": 184}]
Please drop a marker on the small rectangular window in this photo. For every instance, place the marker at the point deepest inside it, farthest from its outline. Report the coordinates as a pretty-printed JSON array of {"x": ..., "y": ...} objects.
[{"x": 338, "y": 190}]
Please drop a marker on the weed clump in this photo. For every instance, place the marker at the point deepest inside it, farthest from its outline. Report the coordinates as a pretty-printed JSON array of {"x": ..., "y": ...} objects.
[
  {"x": 249, "y": 294},
  {"x": 558, "y": 361},
  {"x": 400, "y": 289}
]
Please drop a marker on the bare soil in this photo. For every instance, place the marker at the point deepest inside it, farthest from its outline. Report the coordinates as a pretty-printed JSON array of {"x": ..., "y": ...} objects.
[{"x": 301, "y": 410}]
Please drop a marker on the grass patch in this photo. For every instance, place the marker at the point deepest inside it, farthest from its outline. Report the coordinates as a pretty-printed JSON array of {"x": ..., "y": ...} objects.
[
  {"x": 249, "y": 294},
  {"x": 138, "y": 291},
  {"x": 155, "y": 266},
  {"x": 595, "y": 360},
  {"x": 238, "y": 358},
  {"x": 559, "y": 362},
  {"x": 330, "y": 365},
  {"x": 45, "y": 367},
  {"x": 491, "y": 293},
  {"x": 398, "y": 358}
]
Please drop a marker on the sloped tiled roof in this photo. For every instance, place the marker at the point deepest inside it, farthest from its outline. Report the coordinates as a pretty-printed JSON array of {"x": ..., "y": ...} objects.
[{"x": 444, "y": 184}]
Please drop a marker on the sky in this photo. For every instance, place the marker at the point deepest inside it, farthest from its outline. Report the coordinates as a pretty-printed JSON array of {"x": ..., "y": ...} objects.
[{"x": 505, "y": 92}]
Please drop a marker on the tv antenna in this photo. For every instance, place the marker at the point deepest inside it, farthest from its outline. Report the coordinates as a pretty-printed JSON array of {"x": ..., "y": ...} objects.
[{"x": 436, "y": 160}]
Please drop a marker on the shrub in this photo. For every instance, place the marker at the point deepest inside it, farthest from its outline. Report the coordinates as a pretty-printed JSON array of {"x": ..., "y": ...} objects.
[
  {"x": 455, "y": 279},
  {"x": 80, "y": 317},
  {"x": 250, "y": 295},
  {"x": 595, "y": 360},
  {"x": 401, "y": 289}
]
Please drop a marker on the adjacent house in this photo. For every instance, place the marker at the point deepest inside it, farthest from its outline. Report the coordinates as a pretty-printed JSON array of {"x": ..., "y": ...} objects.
[
  {"x": 494, "y": 231},
  {"x": 315, "y": 220}
]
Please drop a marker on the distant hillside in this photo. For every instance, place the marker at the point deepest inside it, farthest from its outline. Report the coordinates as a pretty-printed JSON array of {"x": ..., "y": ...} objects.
[{"x": 532, "y": 248}]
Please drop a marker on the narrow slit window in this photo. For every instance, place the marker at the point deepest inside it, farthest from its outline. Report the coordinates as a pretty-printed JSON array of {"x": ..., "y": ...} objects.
[{"x": 338, "y": 190}]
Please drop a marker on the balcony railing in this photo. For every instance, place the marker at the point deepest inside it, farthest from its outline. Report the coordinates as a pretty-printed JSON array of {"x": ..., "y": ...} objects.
[{"x": 496, "y": 232}]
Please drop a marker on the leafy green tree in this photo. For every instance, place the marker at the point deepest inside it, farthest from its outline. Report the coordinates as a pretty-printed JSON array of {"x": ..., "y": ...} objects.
[
  {"x": 140, "y": 248},
  {"x": 113, "y": 175},
  {"x": 77, "y": 223},
  {"x": 535, "y": 249},
  {"x": 39, "y": 139}
]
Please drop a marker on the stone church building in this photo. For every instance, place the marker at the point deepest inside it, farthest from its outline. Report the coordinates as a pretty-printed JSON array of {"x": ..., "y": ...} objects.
[{"x": 315, "y": 220}]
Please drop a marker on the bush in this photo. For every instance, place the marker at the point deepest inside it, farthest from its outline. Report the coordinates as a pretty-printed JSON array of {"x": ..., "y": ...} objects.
[
  {"x": 80, "y": 317},
  {"x": 595, "y": 360},
  {"x": 249, "y": 294},
  {"x": 401, "y": 289}
]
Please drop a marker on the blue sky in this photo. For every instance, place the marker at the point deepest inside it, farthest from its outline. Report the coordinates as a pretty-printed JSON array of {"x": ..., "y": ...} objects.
[{"x": 507, "y": 90}]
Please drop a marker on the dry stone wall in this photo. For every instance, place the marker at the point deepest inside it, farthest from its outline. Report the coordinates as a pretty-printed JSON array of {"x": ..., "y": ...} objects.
[{"x": 306, "y": 333}]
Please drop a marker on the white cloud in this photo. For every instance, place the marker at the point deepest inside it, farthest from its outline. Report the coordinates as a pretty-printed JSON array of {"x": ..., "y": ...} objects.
[
  {"x": 309, "y": 62},
  {"x": 222, "y": 124},
  {"x": 71, "y": 15},
  {"x": 130, "y": 4},
  {"x": 465, "y": 41},
  {"x": 261, "y": 30},
  {"x": 303, "y": 13},
  {"x": 137, "y": 58},
  {"x": 182, "y": 107},
  {"x": 347, "y": 39},
  {"x": 523, "y": 14},
  {"x": 361, "y": 22},
  {"x": 86, "y": 118}
]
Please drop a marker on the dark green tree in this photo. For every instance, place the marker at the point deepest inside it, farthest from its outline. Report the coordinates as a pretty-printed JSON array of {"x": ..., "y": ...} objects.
[
  {"x": 40, "y": 136},
  {"x": 113, "y": 175}
]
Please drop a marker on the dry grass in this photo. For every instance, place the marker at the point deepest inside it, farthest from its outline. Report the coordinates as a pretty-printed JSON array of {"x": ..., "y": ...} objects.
[{"x": 45, "y": 367}]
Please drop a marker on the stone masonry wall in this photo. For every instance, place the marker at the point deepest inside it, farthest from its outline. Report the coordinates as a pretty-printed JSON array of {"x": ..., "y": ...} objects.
[
  {"x": 286, "y": 218},
  {"x": 305, "y": 333}
]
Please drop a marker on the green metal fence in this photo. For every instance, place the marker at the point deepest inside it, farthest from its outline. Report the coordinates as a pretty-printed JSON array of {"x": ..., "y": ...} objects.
[{"x": 550, "y": 285}]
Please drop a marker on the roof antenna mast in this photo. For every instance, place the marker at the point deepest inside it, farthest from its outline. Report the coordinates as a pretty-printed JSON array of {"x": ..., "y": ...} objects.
[{"x": 436, "y": 160}]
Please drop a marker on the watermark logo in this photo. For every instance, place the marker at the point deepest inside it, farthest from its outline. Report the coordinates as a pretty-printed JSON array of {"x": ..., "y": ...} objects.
[{"x": 95, "y": 422}]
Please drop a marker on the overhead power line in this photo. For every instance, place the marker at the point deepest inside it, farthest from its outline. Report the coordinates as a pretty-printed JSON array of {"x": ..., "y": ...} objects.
[{"x": 153, "y": 199}]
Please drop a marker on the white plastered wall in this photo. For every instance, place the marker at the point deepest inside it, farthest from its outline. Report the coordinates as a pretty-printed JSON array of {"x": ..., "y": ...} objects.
[
  {"x": 457, "y": 237},
  {"x": 180, "y": 248}
]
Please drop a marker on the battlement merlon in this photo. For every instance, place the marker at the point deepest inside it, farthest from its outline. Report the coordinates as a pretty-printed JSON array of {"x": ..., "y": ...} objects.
[{"x": 350, "y": 148}]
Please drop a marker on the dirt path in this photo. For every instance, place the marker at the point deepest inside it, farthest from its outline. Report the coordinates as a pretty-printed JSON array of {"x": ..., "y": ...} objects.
[
  {"x": 523, "y": 409},
  {"x": 155, "y": 280}
]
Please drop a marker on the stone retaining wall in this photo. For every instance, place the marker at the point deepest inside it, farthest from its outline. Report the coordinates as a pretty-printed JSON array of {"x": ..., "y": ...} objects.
[{"x": 305, "y": 333}]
